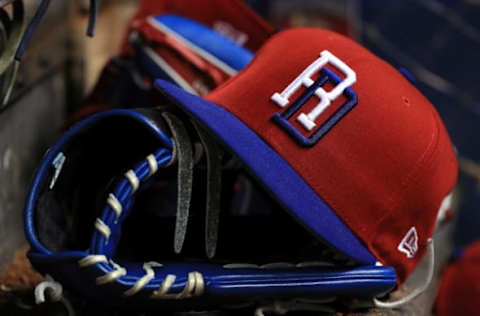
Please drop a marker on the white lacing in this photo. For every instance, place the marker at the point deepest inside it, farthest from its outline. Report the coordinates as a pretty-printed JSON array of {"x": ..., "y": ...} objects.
[
  {"x": 165, "y": 287},
  {"x": 112, "y": 276},
  {"x": 152, "y": 165},
  {"x": 55, "y": 291},
  {"x": 140, "y": 284},
  {"x": 116, "y": 206},
  {"x": 133, "y": 179},
  {"x": 195, "y": 283},
  {"x": 195, "y": 286},
  {"x": 103, "y": 229},
  {"x": 55, "y": 294},
  {"x": 91, "y": 260}
]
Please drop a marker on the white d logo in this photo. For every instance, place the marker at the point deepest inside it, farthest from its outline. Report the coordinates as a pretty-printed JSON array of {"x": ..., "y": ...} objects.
[{"x": 305, "y": 79}]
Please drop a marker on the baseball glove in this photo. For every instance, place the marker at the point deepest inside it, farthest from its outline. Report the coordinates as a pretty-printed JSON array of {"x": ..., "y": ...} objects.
[{"x": 103, "y": 220}]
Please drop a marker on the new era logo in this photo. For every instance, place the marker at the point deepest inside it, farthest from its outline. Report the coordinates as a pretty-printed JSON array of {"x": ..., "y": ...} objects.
[
  {"x": 409, "y": 243},
  {"x": 315, "y": 89}
]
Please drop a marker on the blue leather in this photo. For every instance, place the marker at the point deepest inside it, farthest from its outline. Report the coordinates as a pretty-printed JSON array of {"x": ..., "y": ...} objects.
[
  {"x": 208, "y": 40},
  {"x": 222, "y": 285},
  {"x": 76, "y": 130}
]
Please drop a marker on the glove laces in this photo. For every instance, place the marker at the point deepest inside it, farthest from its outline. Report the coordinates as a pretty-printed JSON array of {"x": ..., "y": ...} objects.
[{"x": 55, "y": 291}]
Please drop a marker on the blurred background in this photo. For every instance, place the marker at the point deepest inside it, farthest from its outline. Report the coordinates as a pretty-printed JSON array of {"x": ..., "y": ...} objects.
[{"x": 436, "y": 43}]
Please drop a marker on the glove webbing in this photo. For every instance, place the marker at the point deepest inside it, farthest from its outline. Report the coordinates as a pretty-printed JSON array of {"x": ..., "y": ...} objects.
[
  {"x": 214, "y": 188},
  {"x": 183, "y": 154}
]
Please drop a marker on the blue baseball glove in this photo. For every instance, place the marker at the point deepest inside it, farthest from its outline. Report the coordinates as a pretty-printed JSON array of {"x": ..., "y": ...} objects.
[{"x": 108, "y": 212}]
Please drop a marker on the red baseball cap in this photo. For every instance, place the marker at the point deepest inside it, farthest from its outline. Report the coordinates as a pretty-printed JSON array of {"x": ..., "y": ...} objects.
[
  {"x": 460, "y": 286},
  {"x": 340, "y": 138}
]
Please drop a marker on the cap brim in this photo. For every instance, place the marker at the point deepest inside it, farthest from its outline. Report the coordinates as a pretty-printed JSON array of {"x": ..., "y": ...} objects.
[{"x": 272, "y": 171}]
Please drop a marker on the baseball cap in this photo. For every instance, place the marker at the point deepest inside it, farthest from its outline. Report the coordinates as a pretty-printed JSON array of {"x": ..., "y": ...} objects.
[{"x": 340, "y": 138}]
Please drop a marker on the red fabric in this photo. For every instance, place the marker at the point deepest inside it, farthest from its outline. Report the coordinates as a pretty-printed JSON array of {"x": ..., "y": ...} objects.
[
  {"x": 208, "y": 12},
  {"x": 199, "y": 73},
  {"x": 191, "y": 67},
  {"x": 459, "y": 290},
  {"x": 201, "y": 64},
  {"x": 384, "y": 168}
]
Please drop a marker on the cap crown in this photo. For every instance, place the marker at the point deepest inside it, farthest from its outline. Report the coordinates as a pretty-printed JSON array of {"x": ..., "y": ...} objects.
[{"x": 377, "y": 152}]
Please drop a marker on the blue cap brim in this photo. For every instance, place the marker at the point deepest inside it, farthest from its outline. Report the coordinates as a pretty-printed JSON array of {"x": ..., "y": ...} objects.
[{"x": 272, "y": 171}]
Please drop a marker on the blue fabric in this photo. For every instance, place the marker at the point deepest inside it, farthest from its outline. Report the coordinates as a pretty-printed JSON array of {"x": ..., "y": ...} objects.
[
  {"x": 234, "y": 55},
  {"x": 92, "y": 17},
  {"x": 272, "y": 171}
]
